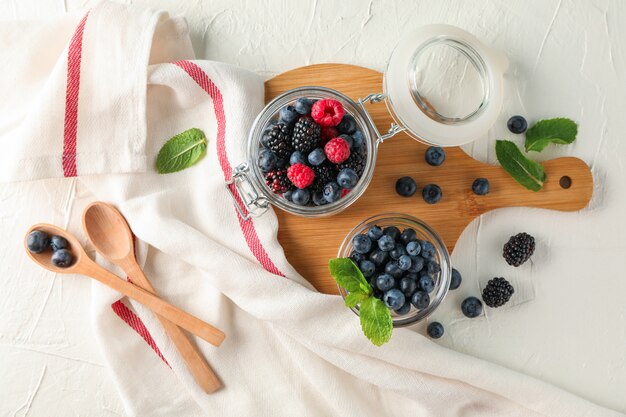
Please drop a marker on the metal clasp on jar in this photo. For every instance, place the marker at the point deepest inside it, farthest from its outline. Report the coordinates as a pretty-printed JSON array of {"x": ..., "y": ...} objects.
[
  {"x": 393, "y": 129},
  {"x": 250, "y": 203}
]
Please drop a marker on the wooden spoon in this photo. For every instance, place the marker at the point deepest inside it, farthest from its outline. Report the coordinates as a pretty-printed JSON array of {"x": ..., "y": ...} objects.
[
  {"x": 110, "y": 234},
  {"x": 83, "y": 265}
]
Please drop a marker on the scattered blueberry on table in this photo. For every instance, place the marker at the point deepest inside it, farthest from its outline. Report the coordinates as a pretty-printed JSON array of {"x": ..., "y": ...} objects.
[
  {"x": 435, "y": 156},
  {"x": 455, "y": 281},
  {"x": 472, "y": 307},
  {"x": 480, "y": 186},
  {"x": 406, "y": 186},
  {"x": 321, "y": 136},
  {"x": 435, "y": 330},
  {"x": 432, "y": 194},
  {"x": 517, "y": 124}
]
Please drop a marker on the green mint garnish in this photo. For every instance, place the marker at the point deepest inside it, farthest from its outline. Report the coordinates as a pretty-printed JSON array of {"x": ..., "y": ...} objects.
[
  {"x": 376, "y": 320},
  {"x": 528, "y": 173},
  {"x": 374, "y": 315},
  {"x": 545, "y": 132},
  {"x": 181, "y": 151}
]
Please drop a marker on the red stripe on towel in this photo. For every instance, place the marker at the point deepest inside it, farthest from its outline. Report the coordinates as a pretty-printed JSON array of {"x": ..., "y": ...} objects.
[
  {"x": 247, "y": 227},
  {"x": 74, "y": 56},
  {"x": 135, "y": 322}
]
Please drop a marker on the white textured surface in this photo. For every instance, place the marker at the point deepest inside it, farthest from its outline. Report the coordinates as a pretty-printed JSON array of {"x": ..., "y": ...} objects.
[{"x": 567, "y": 59}]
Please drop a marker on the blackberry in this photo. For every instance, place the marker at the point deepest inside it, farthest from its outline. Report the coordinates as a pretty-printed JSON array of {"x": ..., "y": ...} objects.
[
  {"x": 356, "y": 161},
  {"x": 518, "y": 249},
  {"x": 324, "y": 174},
  {"x": 497, "y": 292},
  {"x": 278, "y": 182},
  {"x": 306, "y": 135},
  {"x": 278, "y": 139}
]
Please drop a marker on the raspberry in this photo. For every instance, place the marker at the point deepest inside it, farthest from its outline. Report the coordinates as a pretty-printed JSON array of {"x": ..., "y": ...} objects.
[
  {"x": 344, "y": 192},
  {"x": 337, "y": 150},
  {"x": 328, "y": 132},
  {"x": 327, "y": 112},
  {"x": 300, "y": 175}
]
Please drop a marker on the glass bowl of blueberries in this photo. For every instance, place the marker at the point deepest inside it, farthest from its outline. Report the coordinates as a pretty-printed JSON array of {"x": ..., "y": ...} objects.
[
  {"x": 311, "y": 152},
  {"x": 404, "y": 260}
]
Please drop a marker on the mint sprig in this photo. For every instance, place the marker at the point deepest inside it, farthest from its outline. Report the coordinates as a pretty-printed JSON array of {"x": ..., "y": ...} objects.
[
  {"x": 559, "y": 130},
  {"x": 528, "y": 173},
  {"x": 375, "y": 317},
  {"x": 181, "y": 151}
]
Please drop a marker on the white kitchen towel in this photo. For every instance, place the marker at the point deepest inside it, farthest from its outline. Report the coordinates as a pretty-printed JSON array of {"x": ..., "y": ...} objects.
[{"x": 289, "y": 350}]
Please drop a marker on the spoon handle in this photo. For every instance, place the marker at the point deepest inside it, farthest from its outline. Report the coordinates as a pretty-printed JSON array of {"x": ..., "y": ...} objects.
[
  {"x": 162, "y": 308},
  {"x": 197, "y": 365}
]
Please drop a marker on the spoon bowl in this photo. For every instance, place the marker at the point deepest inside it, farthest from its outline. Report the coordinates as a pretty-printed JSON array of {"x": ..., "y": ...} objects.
[
  {"x": 44, "y": 259},
  {"x": 108, "y": 231}
]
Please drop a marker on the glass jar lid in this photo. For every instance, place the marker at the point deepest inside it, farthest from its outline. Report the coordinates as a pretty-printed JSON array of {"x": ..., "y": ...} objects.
[{"x": 443, "y": 86}]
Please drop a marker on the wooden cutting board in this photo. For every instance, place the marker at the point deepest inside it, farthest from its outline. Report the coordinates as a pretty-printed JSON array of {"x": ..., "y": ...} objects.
[{"x": 310, "y": 243}]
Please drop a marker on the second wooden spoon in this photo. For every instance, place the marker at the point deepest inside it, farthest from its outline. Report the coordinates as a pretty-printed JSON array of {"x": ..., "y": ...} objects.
[{"x": 110, "y": 234}]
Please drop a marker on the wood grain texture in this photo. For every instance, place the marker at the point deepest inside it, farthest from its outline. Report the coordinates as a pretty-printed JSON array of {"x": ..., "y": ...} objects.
[{"x": 310, "y": 243}]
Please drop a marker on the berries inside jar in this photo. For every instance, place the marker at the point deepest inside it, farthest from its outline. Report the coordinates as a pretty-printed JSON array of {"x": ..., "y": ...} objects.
[{"x": 321, "y": 147}]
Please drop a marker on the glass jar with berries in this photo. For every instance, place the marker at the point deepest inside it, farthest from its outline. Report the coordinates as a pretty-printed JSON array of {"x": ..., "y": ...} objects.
[{"x": 312, "y": 150}]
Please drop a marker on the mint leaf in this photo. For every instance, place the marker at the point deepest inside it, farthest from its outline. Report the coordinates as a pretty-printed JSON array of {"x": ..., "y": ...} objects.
[
  {"x": 545, "y": 132},
  {"x": 348, "y": 276},
  {"x": 375, "y": 321},
  {"x": 528, "y": 173},
  {"x": 181, "y": 151},
  {"x": 354, "y": 298}
]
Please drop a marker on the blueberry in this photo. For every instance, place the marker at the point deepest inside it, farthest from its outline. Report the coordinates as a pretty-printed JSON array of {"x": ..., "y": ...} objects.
[
  {"x": 316, "y": 157},
  {"x": 303, "y": 105},
  {"x": 265, "y": 139},
  {"x": 408, "y": 286},
  {"x": 472, "y": 307},
  {"x": 379, "y": 257},
  {"x": 386, "y": 243},
  {"x": 331, "y": 192},
  {"x": 406, "y": 186},
  {"x": 426, "y": 283},
  {"x": 361, "y": 243},
  {"x": 455, "y": 281},
  {"x": 347, "y": 178},
  {"x": 480, "y": 186},
  {"x": 385, "y": 282},
  {"x": 367, "y": 268},
  {"x": 287, "y": 196},
  {"x": 417, "y": 264},
  {"x": 375, "y": 232},
  {"x": 357, "y": 257},
  {"x": 404, "y": 262},
  {"x": 394, "y": 299},
  {"x": 358, "y": 140},
  {"x": 393, "y": 269},
  {"x": 435, "y": 156},
  {"x": 393, "y": 232},
  {"x": 62, "y": 258},
  {"x": 288, "y": 114},
  {"x": 318, "y": 198},
  {"x": 297, "y": 158},
  {"x": 428, "y": 250},
  {"x": 397, "y": 251},
  {"x": 433, "y": 268},
  {"x": 413, "y": 248},
  {"x": 432, "y": 194},
  {"x": 435, "y": 330},
  {"x": 347, "y": 124},
  {"x": 301, "y": 197},
  {"x": 407, "y": 236},
  {"x": 267, "y": 161},
  {"x": 420, "y": 300},
  {"x": 517, "y": 124},
  {"x": 58, "y": 242},
  {"x": 404, "y": 309},
  {"x": 347, "y": 138},
  {"x": 37, "y": 241}
]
